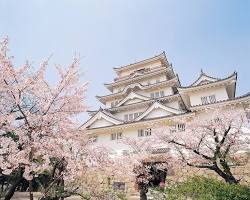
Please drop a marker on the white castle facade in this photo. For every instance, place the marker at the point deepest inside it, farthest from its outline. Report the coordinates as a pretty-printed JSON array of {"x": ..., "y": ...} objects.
[{"x": 149, "y": 93}]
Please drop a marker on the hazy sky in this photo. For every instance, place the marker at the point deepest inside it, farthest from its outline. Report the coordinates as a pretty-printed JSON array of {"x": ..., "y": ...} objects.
[{"x": 195, "y": 34}]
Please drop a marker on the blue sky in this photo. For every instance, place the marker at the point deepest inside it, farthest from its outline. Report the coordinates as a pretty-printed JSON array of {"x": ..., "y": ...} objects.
[{"x": 195, "y": 34}]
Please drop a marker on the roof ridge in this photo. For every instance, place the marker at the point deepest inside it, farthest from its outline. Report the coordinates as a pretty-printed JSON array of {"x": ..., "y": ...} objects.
[
  {"x": 135, "y": 63},
  {"x": 218, "y": 79}
]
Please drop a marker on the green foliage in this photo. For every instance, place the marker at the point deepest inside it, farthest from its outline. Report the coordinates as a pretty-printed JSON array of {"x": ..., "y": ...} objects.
[
  {"x": 11, "y": 135},
  {"x": 201, "y": 188},
  {"x": 121, "y": 196}
]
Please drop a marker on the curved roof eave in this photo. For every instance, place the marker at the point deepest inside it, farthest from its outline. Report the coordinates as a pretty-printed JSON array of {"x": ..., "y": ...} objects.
[
  {"x": 161, "y": 55},
  {"x": 233, "y": 76}
]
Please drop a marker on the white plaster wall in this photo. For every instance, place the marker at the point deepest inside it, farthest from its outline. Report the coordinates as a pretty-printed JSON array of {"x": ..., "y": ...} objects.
[
  {"x": 100, "y": 123},
  {"x": 104, "y": 139},
  {"x": 220, "y": 94},
  {"x": 157, "y": 113},
  {"x": 174, "y": 104},
  {"x": 131, "y": 101}
]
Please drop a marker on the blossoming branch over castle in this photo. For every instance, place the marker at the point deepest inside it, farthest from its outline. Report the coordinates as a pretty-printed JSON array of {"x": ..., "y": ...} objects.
[{"x": 149, "y": 93}]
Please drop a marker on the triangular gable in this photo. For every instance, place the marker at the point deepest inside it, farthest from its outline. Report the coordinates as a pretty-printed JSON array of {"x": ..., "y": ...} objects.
[
  {"x": 101, "y": 119},
  {"x": 204, "y": 79},
  {"x": 132, "y": 96},
  {"x": 161, "y": 110}
]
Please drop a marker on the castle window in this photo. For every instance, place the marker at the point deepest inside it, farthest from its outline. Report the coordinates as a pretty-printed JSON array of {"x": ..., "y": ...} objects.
[
  {"x": 119, "y": 136},
  {"x": 162, "y": 94},
  {"x": 113, "y": 136},
  {"x": 208, "y": 99},
  {"x": 177, "y": 128},
  {"x": 181, "y": 127},
  {"x": 148, "y": 132},
  {"x": 204, "y": 100},
  {"x": 116, "y": 136},
  {"x": 141, "y": 133},
  {"x": 212, "y": 99},
  {"x": 248, "y": 118},
  {"x": 136, "y": 115},
  {"x": 157, "y": 94},
  {"x": 131, "y": 117},
  {"x": 144, "y": 133}
]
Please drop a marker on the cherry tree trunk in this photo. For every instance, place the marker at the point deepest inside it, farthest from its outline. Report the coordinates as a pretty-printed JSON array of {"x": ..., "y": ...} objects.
[
  {"x": 9, "y": 194},
  {"x": 143, "y": 194}
]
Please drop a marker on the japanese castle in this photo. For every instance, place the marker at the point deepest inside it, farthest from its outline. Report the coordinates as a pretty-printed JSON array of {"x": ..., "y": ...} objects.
[{"x": 149, "y": 93}]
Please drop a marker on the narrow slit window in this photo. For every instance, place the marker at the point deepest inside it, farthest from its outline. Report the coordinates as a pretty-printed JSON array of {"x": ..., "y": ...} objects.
[
  {"x": 141, "y": 133},
  {"x": 162, "y": 94},
  {"x": 125, "y": 117}
]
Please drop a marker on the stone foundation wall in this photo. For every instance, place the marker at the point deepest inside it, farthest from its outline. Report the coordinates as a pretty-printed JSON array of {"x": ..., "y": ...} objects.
[{"x": 241, "y": 172}]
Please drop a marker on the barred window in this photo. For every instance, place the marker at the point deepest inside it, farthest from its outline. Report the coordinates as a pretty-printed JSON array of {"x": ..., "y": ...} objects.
[
  {"x": 157, "y": 94},
  {"x": 172, "y": 129},
  {"x": 144, "y": 133},
  {"x": 136, "y": 115},
  {"x": 119, "y": 136},
  {"x": 212, "y": 99},
  {"x": 204, "y": 100},
  {"x": 116, "y": 136},
  {"x": 131, "y": 117},
  {"x": 162, "y": 94},
  {"x": 177, "y": 128},
  {"x": 148, "y": 132},
  {"x": 141, "y": 133},
  {"x": 181, "y": 127},
  {"x": 208, "y": 99},
  {"x": 113, "y": 136}
]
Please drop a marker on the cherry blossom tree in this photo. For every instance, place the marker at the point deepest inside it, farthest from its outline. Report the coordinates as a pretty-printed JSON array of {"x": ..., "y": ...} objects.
[
  {"x": 143, "y": 164},
  {"x": 217, "y": 141},
  {"x": 39, "y": 132}
]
